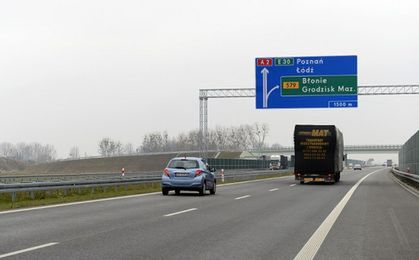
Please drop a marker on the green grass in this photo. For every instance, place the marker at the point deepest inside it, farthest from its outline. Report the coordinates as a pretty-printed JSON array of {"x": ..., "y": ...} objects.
[{"x": 42, "y": 198}]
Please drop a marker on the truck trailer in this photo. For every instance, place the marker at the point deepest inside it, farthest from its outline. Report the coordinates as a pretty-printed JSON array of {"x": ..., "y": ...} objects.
[{"x": 318, "y": 152}]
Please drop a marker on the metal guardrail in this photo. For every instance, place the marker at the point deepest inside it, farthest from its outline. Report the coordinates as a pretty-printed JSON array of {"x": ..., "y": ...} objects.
[
  {"x": 68, "y": 177},
  {"x": 94, "y": 176},
  {"x": 13, "y": 188},
  {"x": 405, "y": 175}
]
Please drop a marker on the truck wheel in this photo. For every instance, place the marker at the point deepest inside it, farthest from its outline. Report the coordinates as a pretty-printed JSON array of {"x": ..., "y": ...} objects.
[
  {"x": 301, "y": 182},
  {"x": 338, "y": 177}
]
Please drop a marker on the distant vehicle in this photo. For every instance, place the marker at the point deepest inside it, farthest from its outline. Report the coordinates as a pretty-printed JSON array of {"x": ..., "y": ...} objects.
[
  {"x": 389, "y": 163},
  {"x": 188, "y": 173},
  {"x": 357, "y": 166},
  {"x": 318, "y": 153},
  {"x": 274, "y": 165},
  {"x": 284, "y": 162}
]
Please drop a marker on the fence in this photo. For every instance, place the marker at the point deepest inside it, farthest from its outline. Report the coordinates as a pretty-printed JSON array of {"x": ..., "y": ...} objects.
[
  {"x": 238, "y": 163},
  {"x": 409, "y": 155}
]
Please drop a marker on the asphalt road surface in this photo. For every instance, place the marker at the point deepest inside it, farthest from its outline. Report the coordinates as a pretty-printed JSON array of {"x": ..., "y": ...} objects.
[{"x": 374, "y": 218}]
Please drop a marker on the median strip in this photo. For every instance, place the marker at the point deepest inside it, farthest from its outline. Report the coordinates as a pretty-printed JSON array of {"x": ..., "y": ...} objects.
[
  {"x": 180, "y": 212},
  {"x": 28, "y": 249}
]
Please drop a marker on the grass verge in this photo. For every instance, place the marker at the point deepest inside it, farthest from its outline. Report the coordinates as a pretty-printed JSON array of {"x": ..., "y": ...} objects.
[{"x": 43, "y": 198}]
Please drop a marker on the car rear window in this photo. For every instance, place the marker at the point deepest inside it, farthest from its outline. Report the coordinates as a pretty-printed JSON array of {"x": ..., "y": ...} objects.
[{"x": 183, "y": 164}]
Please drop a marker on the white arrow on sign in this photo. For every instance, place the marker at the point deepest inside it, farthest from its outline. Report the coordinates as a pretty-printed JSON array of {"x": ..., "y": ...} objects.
[{"x": 266, "y": 94}]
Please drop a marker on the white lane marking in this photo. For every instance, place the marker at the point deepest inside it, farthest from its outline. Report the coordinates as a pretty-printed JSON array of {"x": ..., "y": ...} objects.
[
  {"x": 316, "y": 240},
  {"x": 180, "y": 212},
  {"x": 275, "y": 189},
  {"x": 79, "y": 203},
  {"x": 292, "y": 185},
  {"x": 242, "y": 197},
  {"x": 27, "y": 250}
]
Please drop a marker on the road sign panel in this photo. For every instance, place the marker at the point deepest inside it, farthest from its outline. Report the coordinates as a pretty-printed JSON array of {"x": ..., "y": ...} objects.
[{"x": 306, "y": 82}]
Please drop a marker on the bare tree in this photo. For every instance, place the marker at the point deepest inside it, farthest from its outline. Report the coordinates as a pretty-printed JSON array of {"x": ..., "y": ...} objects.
[
  {"x": 119, "y": 148},
  {"x": 128, "y": 149},
  {"x": 74, "y": 152},
  {"x": 260, "y": 133},
  {"x": 104, "y": 146},
  {"x": 7, "y": 150}
]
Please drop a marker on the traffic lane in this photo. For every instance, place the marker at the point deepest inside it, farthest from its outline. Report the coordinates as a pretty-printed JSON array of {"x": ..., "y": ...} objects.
[
  {"x": 379, "y": 222},
  {"x": 67, "y": 222},
  {"x": 98, "y": 217},
  {"x": 269, "y": 226}
]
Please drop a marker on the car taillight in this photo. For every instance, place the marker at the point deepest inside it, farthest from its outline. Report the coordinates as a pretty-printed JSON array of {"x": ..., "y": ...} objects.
[
  {"x": 166, "y": 172},
  {"x": 198, "y": 172}
]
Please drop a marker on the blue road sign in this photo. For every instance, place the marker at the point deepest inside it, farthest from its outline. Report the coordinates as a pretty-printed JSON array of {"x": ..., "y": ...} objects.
[{"x": 307, "y": 82}]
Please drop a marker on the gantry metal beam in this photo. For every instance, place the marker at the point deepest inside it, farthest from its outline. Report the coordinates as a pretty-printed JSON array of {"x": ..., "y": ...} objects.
[
  {"x": 205, "y": 94},
  {"x": 362, "y": 91},
  {"x": 348, "y": 149},
  {"x": 388, "y": 90}
]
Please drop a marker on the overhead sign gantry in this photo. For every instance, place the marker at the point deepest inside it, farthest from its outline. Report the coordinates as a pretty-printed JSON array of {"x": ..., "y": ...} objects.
[{"x": 307, "y": 82}]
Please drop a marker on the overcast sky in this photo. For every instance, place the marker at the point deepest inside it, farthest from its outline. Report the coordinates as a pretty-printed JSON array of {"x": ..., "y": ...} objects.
[{"x": 72, "y": 72}]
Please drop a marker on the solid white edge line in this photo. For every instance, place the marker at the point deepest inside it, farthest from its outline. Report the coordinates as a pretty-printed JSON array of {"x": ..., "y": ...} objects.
[
  {"x": 78, "y": 203},
  {"x": 242, "y": 197},
  {"x": 122, "y": 197},
  {"x": 180, "y": 212},
  {"x": 310, "y": 249},
  {"x": 28, "y": 249},
  {"x": 275, "y": 189}
]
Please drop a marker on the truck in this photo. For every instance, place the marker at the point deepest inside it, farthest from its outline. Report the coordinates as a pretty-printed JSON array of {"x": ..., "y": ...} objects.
[
  {"x": 284, "y": 162},
  {"x": 274, "y": 164},
  {"x": 389, "y": 163},
  {"x": 319, "y": 153}
]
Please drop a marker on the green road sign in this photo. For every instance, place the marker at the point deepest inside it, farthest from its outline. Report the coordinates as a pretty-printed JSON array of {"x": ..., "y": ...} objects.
[{"x": 319, "y": 85}]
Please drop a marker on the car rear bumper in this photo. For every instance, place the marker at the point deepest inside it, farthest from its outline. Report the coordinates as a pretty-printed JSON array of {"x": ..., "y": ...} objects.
[{"x": 184, "y": 184}]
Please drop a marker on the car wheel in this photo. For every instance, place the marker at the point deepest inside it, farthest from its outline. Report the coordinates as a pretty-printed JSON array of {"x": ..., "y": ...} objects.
[
  {"x": 203, "y": 189},
  {"x": 214, "y": 189},
  {"x": 177, "y": 192},
  {"x": 165, "y": 192},
  {"x": 301, "y": 182}
]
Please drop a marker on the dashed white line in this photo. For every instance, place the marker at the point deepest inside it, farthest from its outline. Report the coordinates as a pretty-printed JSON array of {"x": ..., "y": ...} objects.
[
  {"x": 27, "y": 250},
  {"x": 292, "y": 185},
  {"x": 274, "y": 189},
  {"x": 310, "y": 249},
  {"x": 242, "y": 197},
  {"x": 180, "y": 212}
]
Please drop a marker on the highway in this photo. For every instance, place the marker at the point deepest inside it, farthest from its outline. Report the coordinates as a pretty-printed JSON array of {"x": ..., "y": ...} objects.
[{"x": 266, "y": 219}]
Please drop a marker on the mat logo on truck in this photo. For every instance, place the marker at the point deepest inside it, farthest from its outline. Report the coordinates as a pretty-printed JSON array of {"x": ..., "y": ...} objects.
[{"x": 320, "y": 132}]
